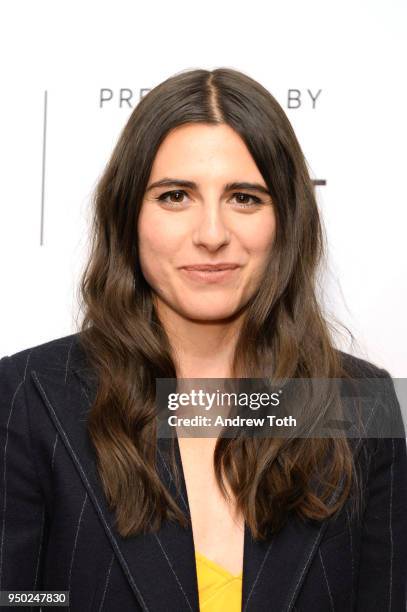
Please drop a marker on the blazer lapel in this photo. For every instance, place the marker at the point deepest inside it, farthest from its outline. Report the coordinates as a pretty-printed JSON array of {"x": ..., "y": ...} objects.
[
  {"x": 274, "y": 570},
  {"x": 161, "y": 567}
]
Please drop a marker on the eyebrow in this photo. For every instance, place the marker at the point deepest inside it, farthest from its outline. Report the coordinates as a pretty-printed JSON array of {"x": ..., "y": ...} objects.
[{"x": 172, "y": 182}]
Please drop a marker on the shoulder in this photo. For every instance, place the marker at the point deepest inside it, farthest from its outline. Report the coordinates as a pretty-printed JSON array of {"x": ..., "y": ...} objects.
[
  {"x": 371, "y": 396},
  {"x": 375, "y": 387},
  {"x": 357, "y": 367},
  {"x": 57, "y": 360},
  {"x": 30, "y": 377},
  {"x": 56, "y": 354}
]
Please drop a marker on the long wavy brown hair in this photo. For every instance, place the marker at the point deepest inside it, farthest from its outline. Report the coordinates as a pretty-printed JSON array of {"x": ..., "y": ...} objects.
[{"x": 128, "y": 347}]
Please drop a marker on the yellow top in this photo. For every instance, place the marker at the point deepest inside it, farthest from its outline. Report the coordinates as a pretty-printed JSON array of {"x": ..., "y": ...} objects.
[{"x": 219, "y": 590}]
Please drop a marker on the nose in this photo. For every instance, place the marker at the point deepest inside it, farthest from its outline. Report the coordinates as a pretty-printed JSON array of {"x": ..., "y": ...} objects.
[{"x": 211, "y": 230}]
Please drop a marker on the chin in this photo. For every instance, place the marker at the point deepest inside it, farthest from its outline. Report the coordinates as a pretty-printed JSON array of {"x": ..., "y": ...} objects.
[{"x": 208, "y": 313}]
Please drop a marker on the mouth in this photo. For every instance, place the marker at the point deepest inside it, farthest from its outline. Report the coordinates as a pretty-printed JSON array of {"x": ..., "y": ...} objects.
[
  {"x": 210, "y": 273},
  {"x": 212, "y": 267}
]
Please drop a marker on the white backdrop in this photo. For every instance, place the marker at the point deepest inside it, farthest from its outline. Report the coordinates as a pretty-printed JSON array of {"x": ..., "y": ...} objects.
[{"x": 350, "y": 55}]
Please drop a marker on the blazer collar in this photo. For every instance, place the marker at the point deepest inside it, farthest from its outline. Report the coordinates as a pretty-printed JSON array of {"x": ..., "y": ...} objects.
[{"x": 273, "y": 570}]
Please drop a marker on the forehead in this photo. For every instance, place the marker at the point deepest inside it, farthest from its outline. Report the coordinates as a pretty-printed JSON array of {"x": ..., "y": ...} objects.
[{"x": 202, "y": 150}]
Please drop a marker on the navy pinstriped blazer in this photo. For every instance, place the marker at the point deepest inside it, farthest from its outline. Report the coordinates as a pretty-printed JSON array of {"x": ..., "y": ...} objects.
[{"x": 57, "y": 532}]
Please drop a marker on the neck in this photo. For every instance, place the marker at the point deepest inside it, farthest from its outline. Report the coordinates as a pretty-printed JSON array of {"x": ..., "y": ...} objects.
[{"x": 201, "y": 349}]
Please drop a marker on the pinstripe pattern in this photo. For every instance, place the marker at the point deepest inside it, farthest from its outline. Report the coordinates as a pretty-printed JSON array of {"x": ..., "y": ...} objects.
[
  {"x": 246, "y": 605},
  {"x": 4, "y": 505},
  {"x": 106, "y": 584},
  {"x": 76, "y": 541},
  {"x": 390, "y": 525},
  {"x": 174, "y": 573},
  {"x": 311, "y": 553},
  {"x": 351, "y": 553},
  {"x": 39, "y": 549},
  {"x": 169, "y": 474},
  {"x": 326, "y": 581},
  {"x": 66, "y": 440},
  {"x": 341, "y": 566},
  {"x": 53, "y": 451}
]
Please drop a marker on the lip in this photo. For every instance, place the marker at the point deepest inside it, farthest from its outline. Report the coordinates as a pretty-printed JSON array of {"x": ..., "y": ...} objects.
[
  {"x": 212, "y": 267},
  {"x": 210, "y": 273}
]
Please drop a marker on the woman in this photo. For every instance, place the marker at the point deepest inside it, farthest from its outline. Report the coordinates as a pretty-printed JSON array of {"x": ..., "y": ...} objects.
[{"x": 206, "y": 172}]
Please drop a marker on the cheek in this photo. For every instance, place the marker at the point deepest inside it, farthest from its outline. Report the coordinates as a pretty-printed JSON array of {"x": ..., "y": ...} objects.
[
  {"x": 157, "y": 247},
  {"x": 258, "y": 234}
]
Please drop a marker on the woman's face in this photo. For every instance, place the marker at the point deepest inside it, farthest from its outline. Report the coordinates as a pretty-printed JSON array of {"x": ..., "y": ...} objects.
[{"x": 205, "y": 222}]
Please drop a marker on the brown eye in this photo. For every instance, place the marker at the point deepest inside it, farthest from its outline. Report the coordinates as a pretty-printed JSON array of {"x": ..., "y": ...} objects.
[
  {"x": 172, "y": 194},
  {"x": 244, "y": 203}
]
